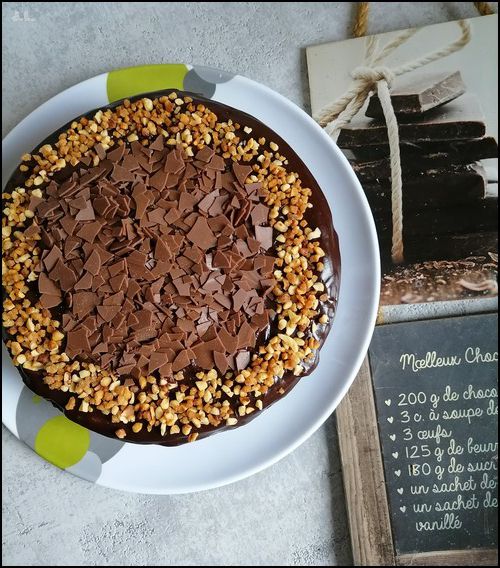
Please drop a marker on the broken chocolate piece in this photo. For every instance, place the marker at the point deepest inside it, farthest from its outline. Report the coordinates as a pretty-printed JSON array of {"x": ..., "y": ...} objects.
[
  {"x": 414, "y": 95},
  {"x": 441, "y": 187},
  {"x": 442, "y": 151},
  {"x": 460, "y": 119},
  {"x": 469, "y": 218}
]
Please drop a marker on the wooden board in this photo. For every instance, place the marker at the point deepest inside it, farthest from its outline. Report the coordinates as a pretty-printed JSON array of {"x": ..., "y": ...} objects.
[
  {"x": 364, "y": 482},
  {"x": 476, "y": 557}
]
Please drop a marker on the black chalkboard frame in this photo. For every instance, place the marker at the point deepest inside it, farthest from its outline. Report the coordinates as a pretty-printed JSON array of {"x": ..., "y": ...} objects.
[{"x": 365, "y": 488}]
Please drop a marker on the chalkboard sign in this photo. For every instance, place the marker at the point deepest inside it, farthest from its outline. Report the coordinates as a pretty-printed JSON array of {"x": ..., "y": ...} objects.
[
  {"x": 418, "y": 437},
  {"x": 435, "y": 386}
]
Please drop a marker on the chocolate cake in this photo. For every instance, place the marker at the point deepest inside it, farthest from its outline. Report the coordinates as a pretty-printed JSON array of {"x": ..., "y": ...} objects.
[{"x": 170, "y": 268}]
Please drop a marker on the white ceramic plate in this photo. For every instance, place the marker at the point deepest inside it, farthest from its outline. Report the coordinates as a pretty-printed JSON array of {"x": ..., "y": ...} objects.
[{"x": 226, "y": 456}]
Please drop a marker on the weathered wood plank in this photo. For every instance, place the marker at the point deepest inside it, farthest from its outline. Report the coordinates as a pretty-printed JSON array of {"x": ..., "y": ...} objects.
[
  {"x": 367, "y": 506},
  {"x": 475, "y": 557}
]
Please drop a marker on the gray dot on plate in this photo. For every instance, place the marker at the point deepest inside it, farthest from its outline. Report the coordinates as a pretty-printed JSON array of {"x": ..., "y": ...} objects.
[
  {"x": 212, "y": 75},
  {"x": 104, "y": 447},
  {"x": 195, "y": 84},
  {"x": 89, "y": 467}
]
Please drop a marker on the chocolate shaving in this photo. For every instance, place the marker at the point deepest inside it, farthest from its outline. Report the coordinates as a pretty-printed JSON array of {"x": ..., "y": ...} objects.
[
  {"x": 108, "y": 312},
  {"x": 242, "y": 360},
  {"x": 93, "y": 264},
  {"x": 47, "y": 301},
  {"x": 201, "y": 235},
  {"x": 259, "y": 214},
  {"x": 48, "y": 286},
  {"x": 77, "y": 341},
  {"x": 241, "y": 173},
  {"x": 156, "y": 255}
]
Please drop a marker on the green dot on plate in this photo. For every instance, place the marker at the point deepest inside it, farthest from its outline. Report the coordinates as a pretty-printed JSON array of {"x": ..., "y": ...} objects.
[
  {"x": 131, "y": 81},
  {"x": 62, "y": 442}
]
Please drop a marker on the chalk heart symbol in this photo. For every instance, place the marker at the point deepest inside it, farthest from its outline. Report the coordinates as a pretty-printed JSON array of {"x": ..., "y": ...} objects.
[
  {"x": 392, "y": 437},
  {"x": 395, "y": 455},
  {"x": 390, "y": 419},
  {"x": 397, "y": 472},
  {"x": 388, "y": 401},
  {"x": 400, "y": 490},
  {"x": 403, "y": 509}
]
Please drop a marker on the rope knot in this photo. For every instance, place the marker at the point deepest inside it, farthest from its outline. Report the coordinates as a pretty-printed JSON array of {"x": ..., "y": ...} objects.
[
  {"x": 370, "y": 76},
  {"x": 374, "y": 77}
]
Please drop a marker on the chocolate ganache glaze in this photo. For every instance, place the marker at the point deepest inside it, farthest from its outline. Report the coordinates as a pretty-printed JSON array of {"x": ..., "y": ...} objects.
[{"x": 317, "y": 216}]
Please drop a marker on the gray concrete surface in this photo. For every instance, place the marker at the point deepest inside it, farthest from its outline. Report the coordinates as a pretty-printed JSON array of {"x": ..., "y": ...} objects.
[{"x": 291, "y": 514}]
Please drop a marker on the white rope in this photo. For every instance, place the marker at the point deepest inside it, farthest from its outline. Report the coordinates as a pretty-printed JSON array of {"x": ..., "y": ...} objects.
[
  {"x": 374, "y": 76},
  {"x": 397, "y": 249},
  {"x": 394, "y": 44},
  {"x": 462, "y": 41},
  {"x": 370, "y": 49}
]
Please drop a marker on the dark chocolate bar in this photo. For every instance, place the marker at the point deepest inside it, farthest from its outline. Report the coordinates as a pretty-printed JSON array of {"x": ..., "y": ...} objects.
[
  {"x": 455, "y": 185},
  {"x": 473, "y": 217},
  {"x": 445, "y": 151},
  {"x": 460, "y": 119},
  {"x": 443, "y": 247},
  {"x": 380, "y": 170},
  {"x": 418, "y": 94}
]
